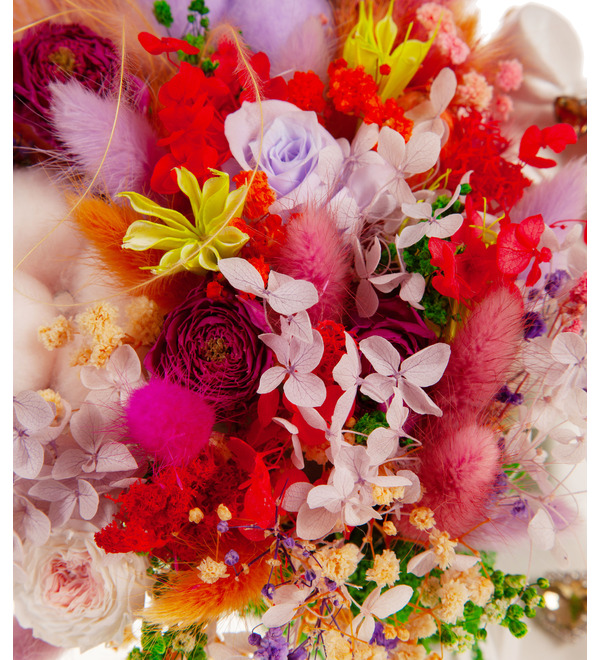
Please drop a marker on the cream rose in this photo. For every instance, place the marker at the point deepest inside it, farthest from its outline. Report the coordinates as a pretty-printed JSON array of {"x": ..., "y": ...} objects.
[{"x": 75, "y": 594}]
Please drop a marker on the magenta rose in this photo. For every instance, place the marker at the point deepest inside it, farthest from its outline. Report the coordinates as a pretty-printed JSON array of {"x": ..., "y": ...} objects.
[
  {"x": 56, "y": 53},
  {"x": 212, "y": 346}
]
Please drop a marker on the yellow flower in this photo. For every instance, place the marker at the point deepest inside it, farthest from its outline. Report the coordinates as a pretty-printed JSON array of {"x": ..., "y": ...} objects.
[
  {"x": 370, "y": 46},
  {"x": 195, "y": 247}
]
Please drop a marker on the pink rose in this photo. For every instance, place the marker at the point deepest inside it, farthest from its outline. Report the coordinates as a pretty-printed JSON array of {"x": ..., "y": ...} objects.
[{"x": 74, "y": 594}]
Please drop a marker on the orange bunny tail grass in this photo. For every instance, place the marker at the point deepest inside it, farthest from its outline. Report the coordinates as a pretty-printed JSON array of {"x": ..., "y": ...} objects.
[
  {"x": 186, "y": 600},
  {"x": 104, "y": 224}
]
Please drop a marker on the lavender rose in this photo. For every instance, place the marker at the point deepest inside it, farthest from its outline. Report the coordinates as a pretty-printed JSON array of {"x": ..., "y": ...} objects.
[
  {"x": 292, "y": 145},
  {"x": 212, "y": 346},
  {"x": 54, "y": 52}
]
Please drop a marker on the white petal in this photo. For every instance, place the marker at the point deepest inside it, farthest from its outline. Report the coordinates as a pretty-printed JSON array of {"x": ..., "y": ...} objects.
[
  {"x": 412, "y": 289},
  {"x": 32, "y": 411},
  {"x": 271, "y": 379},
  {"x": 313, "y": 418},
  {"x": 397, "y": 413},
  {"x": 416, "y": 399},
  {"x": 464, "y": 562},
  {"x": 411, "y": 234},
  {"x": 279, "y": 345},
  {"x": 324, "y": 496},
  {"x": 442, "y": 90},
  {"x": 313, "y": 524},
  {"x": 381, "y": 444},
  {"x": 427, "y": 366},
  {"x": 391, "y": 147},
  {"x": 422, "y": 563},
  {"x": 88, "y": 499},
  {"x": 295, "y": 495},
  {"x": 279, "y": 615},
  {"x": 115, "y": 457},
  {"x": 299, "y": 326},
  {"x": 422, "y": 152},
  {"x": 445, "y": 227},
  {"x": 568, "y": 348},
  {"x": 305, "y": 390},
  {"x": 293, "y": 297},
  {"x": 381, "y": 354},
  {"x": 367, "y": 300},
  {"x": 377, "y": 387},
  {"x": 541, "y": 530},
  {"x": 392, "y": 601},
  {"x": 36, "y": 525},
  {"x": 242, "y": 275},
  {"x": 306, "y": 357},
  {"x": 28, "y": 457},
  {"x": 387, "y": 283},
  {"x": 356, "y": 513}
]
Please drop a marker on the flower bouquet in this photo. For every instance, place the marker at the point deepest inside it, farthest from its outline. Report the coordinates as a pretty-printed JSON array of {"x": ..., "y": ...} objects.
[{"x": 300, "y": 320}]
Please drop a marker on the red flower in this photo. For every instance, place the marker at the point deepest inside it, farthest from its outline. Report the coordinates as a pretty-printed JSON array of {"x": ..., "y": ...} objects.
[
  {"x": 555, "y": 137},
  {"x": 156, "y": 46},
  {"x": 517, "y": 245},
  {"x": 478, "y": 145}
]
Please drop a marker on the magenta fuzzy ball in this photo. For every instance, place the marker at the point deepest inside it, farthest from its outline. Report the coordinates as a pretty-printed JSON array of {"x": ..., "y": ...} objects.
[{"x": 169, "y": 422}]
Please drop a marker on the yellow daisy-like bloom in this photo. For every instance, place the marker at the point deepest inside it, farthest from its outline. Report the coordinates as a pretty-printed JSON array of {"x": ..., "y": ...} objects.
[{"x": 196, "y": 247}]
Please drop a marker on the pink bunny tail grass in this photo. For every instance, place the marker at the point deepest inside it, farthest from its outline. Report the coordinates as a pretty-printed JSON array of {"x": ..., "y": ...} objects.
[
  {"x": 83, "y": 121},
  {"x": 28, "y": 647},
  {"x": 169, "y": 422},
  {"x": 458, "y": 470},
  {"x": 563, "y": 197},
  {"x": 315, "y": 251},
  {"x": 483, "y": 352}
]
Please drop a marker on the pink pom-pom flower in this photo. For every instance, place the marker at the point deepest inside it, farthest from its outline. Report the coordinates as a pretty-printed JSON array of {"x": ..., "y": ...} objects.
[{"x": 169, "y": 422}]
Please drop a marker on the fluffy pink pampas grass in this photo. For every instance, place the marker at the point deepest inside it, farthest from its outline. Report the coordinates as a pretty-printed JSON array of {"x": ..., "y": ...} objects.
[
  {"x": 482, "y": 354},
  {"x": 315, "y": 251},
  {"x": 460, "y": 460},
  {"x": 83, "y": 121}
]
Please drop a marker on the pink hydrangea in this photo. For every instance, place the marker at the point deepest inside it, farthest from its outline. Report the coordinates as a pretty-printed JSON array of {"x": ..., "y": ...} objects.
[
  {"x": 474, "y": 91},
  {"x": 429, "y": 16},
  {"x": 510, "y": 75}
]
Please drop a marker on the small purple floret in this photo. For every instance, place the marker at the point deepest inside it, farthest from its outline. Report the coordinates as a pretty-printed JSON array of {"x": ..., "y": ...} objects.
[
  {"x": 555, "y": 281},
  {"x": 268, "y": 591},
  {"x": 534, "y": 325},
  {"x": 231, "y": 558}
]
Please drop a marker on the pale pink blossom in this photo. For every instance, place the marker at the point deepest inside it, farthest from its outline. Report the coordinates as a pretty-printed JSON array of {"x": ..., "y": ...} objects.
[
  {"x": 503, "y": 106},
  {"x": 474, "y": 91},
  {"x": 429, "y": 16},
  {"x": 510, "y": 75},
  {"x": 453, "y": 46}
]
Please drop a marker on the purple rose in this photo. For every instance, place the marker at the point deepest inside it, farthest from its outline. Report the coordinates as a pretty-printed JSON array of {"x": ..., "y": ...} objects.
[
  {"x": 54, "y": 52},
  {"x": 211, "y": 346},
  {"x": 291, "y": 145}
]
